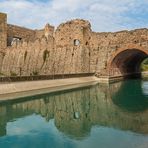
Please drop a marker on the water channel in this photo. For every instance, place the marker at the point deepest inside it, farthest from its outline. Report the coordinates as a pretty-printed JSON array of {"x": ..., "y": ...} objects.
[{"x": 100, "y": 116}]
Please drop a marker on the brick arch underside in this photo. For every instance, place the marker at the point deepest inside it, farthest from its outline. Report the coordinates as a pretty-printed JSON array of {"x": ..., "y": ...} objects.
[{"x": 127, "y": 62}]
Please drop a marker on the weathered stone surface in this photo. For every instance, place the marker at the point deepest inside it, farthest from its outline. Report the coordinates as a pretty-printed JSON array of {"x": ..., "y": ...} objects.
[
  {"x": 72, "y": 48},
  {"x": 3, "y": 30}
]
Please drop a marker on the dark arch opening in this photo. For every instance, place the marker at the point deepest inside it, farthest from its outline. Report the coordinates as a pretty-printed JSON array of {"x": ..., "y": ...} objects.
[{"x": 127, "y": 63}]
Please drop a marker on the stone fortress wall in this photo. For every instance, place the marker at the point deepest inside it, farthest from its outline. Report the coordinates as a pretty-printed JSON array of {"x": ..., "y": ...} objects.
[
  {"x": 70, "y": 49},
  {"x": 18, "y": 32},
  {"x": 3, "y": 30}
]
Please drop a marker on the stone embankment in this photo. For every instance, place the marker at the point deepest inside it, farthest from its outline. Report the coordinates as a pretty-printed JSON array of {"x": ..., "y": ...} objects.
[{"x": 9, "y": 91}]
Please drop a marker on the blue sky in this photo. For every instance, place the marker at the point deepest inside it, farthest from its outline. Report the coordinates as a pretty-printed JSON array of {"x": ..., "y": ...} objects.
[{"x": 104, "y": 15}]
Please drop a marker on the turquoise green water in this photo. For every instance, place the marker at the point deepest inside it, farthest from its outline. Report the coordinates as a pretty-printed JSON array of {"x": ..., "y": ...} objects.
[{"x": 101, "y": 116}]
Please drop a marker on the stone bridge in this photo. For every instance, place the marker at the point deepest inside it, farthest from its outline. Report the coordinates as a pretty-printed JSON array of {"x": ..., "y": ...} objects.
[
  {"x": 72, "y": 48},
  {"x": 126, "y": 61}
]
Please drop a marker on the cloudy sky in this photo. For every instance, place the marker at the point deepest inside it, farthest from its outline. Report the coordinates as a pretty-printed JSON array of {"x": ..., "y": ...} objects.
[{"x": 104, "y": 15}]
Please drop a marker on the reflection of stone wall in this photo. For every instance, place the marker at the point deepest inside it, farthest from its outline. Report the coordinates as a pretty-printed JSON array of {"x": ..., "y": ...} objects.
[
  {"x": 75, "y": 112},
  {"x": 3, "y": 121}
]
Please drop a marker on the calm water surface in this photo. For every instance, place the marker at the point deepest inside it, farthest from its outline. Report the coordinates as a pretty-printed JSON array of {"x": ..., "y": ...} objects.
[{"x": 101, "y": 116}]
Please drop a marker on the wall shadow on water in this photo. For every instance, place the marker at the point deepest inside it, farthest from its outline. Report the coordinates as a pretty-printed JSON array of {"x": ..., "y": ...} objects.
[{"x": 75, "y": 112}]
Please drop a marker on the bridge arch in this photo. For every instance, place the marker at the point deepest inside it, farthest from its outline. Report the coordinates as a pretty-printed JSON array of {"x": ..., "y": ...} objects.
[{"x": 126, "y": 61}]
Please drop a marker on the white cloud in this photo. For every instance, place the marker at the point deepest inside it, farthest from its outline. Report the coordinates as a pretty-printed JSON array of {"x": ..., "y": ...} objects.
[{"x": 105, "y": 15}]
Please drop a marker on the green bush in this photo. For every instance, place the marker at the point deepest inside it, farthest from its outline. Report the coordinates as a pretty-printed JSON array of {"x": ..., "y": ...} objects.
[
  {"x": 1, "y": 74},
  {"x": 34, "y": 73},
  {"x": 144, "y": 65}
]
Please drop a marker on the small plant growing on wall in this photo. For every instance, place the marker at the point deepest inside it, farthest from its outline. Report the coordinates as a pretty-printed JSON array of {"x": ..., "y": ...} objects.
[
  {"x": 45, "y": 56},
  {"x": 2, "y": 74},
  {"x": 35, "y": 73},
  {"x": 13, "y": 74},
  {"x": 25, "y": 56}
]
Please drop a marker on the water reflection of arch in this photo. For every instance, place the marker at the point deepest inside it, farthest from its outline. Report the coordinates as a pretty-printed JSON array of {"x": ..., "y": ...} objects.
[{"x": 129, "y": 95}]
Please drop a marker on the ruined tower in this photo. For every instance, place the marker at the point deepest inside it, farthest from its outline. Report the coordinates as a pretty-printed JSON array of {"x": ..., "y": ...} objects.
[
  {"x": 3, "y": 30},
  {"x": 48, "y": 30}
]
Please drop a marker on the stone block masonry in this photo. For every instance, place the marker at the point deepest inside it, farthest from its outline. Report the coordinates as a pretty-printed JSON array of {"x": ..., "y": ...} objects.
[
  {"x": 17, "y": 32},
  {"x": 72, "y": 48},
  {"x": 3, "y": 30}
]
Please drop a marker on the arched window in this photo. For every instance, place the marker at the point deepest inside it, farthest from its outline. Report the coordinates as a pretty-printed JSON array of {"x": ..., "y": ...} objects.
[{"x": 76, "y": 42}]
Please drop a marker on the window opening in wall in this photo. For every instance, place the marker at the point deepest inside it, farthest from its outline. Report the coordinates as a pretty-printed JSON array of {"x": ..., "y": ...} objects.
[
  {"x": 15, "y": 40},
  {"x": 76, "y": 42},
  {"x": 12, "y": 40}
]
